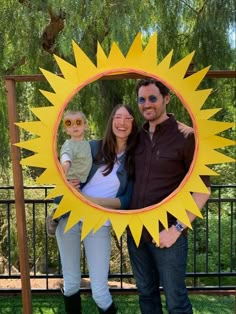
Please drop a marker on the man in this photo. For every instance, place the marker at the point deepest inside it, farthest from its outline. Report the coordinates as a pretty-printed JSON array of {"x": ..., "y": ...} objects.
[{"x": 163, "y": 156}]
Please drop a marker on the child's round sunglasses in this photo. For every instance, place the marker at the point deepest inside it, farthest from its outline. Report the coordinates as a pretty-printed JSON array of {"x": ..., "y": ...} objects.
[{"x": 70, "y": 122}]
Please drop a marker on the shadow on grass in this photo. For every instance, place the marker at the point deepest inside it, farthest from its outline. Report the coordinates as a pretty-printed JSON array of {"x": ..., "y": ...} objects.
[{"x": 128, "y": 304}]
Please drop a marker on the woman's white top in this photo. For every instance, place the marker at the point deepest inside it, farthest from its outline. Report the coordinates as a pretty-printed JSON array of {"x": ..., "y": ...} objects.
[{"x": 103, "y": 186}]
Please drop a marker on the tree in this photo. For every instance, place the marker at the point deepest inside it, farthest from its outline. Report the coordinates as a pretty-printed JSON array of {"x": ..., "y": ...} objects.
[{"x": 32, "y": 30}]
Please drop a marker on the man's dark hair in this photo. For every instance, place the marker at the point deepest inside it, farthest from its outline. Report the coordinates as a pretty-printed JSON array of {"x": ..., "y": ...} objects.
[{"x": 147, "y": 81}]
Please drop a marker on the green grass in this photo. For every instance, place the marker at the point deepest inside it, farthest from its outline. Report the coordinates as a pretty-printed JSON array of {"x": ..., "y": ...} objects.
[{"x": 128, "y": 304}]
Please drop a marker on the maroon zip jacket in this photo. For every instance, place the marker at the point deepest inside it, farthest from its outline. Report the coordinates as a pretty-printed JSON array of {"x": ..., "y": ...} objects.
[{"x": 161, "y": 164}]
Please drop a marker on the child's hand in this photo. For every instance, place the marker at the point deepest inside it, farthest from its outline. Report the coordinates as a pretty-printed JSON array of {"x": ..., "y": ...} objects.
[{"x": 75, "y": 183}]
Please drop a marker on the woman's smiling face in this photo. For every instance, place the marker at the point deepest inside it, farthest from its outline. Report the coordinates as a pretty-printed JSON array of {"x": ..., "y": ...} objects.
[{"x": 122, "y": 123}]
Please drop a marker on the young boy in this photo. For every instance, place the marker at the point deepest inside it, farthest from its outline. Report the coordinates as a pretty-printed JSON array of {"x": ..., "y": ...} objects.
[{"x": 75, "y": 155}]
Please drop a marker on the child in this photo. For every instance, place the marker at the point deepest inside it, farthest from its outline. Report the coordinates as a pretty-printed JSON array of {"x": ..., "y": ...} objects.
[{"x": 75, "y": 155}]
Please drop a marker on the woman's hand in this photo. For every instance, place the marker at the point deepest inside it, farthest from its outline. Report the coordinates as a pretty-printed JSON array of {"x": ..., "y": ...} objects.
[
  {"x": 111, "y": 203},
  {"x": 91, "y": 199}
]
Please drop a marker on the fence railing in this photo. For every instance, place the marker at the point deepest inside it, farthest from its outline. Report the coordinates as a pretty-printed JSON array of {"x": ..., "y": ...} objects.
[{"x": 212, "y": 246}]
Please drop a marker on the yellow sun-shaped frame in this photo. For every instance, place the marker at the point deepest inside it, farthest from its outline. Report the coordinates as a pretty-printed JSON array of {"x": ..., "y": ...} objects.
[{"x": 139, "y": 61}]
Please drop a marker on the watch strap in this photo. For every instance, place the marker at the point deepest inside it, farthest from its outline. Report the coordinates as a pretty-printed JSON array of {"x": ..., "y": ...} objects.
[{"x": 179, "y": 227}]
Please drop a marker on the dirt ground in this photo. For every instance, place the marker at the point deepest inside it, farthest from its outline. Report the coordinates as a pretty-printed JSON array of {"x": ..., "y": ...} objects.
[{"x": 53, "y": 284}]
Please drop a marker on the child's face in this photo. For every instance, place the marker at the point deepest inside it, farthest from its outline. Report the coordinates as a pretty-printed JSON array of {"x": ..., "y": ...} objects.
[{"x": 75, "y": 126}]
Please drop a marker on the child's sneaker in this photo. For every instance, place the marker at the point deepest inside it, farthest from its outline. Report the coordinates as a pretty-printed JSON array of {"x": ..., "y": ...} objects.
[{"x": 51, "y": 226}]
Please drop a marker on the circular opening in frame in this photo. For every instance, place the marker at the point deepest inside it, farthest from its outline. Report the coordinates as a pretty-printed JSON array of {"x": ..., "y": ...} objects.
[{"x": 177, "y": 102}]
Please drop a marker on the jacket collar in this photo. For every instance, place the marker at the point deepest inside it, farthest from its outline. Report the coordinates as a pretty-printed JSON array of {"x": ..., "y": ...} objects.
[{"x": 160, "y": 126}]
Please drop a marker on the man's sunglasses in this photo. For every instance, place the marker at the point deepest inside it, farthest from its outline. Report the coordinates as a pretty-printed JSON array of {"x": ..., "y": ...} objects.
[
  {"x": 69, "y": 122},
  {"x": 151, "y": 98}
]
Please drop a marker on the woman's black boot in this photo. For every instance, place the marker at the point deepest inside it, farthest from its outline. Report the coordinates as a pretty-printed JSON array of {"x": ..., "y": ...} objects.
[
  {"x": 111, "y": 310},
  {"x": 73, "y": 303}
]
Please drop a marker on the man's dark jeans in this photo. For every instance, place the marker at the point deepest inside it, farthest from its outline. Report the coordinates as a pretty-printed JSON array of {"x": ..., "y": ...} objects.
[{"x": 154, "y": 267}]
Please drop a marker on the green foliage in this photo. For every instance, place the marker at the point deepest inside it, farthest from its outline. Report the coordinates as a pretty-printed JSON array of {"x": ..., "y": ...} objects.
[
  {"x": 43, "y": 252},
  {"x": 42, "y": 28},
  {"x": 222, "y": 97},
  {"x": 212, "y": 247}
]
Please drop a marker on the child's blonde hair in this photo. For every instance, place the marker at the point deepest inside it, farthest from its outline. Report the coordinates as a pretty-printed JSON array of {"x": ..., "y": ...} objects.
[{"x": 73, "y": 112}]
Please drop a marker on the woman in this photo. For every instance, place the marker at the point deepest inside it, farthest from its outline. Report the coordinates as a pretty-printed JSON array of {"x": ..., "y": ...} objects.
[{"x": 109, "y": 185}]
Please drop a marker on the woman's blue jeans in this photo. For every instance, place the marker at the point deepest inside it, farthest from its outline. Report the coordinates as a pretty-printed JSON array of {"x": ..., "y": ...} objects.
[
  {"x": 97, "y": 249},
  {"x": 154, "y": 267}
]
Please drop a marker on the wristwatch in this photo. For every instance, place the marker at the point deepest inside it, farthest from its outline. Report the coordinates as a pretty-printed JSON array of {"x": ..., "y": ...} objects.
[{"x": 179, "y": 227}]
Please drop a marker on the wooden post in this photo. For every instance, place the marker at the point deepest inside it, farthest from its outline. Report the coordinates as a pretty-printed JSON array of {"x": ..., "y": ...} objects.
[{"x": 19, "y": 198}]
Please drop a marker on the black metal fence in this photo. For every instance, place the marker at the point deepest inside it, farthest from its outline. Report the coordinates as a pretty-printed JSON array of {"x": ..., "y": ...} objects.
[{"x": 212, "y": 246}]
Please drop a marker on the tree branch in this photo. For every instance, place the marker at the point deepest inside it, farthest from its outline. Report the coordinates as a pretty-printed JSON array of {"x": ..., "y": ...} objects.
[
  {"x": 15, "y": 66},
  {"x": 51, "y": 31},
  {"x": 190, "y": 7}
]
